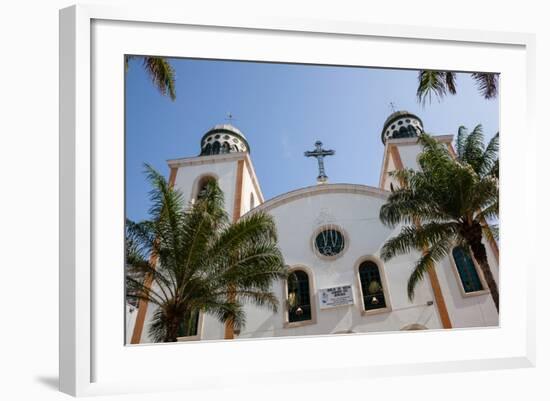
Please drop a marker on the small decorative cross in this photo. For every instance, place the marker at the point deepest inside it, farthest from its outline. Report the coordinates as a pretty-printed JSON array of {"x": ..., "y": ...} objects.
[
  {"x": 229, "y": 117},
  {"x": 392, "y": 107},
  {"x": 319, "y": 153}
]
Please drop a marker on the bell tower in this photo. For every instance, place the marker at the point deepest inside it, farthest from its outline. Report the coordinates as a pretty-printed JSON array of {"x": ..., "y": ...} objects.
[
  {"x": 401, "y": 148},
  {"x": 224, "y": 157}
]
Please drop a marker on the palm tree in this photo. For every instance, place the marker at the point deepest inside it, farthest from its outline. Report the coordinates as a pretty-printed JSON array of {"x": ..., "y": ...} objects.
[
  {"x": 160, "y": 71},
  {"x": 204, "y": 263},
  {"x": 446, "y": 203},
  {"x": 439, "y": 83}
]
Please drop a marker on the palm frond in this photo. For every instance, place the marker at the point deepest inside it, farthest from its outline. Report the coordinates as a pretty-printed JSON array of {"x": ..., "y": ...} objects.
[
  {"x": 487, "y": 83},
  {"x": 427, "y": 261},
  {"x": 490, "y": 156},
  {"x": 445, "y": 203},
  {"x": 491, "y": 230},
  {"x": 162, "y": 75},
  {"x": 431, "y": 84},
  {"x": 259, "y": 298},
  {"x": 203, "y": 262},
  {"x": 460, "y": 141},
  {"x": 473, "y": 149},
  {"x": 418, "y": 237}
]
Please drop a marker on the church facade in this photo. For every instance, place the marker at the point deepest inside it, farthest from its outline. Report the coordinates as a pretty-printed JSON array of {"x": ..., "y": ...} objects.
[{"x": 330, "y": 235}]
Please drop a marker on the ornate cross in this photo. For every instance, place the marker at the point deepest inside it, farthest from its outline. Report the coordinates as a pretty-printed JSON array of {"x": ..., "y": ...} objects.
[{"x": 319, "y": 153}]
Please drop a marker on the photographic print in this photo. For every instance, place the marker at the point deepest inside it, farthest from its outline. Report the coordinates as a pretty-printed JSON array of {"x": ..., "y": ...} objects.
[{"x": 276, "y": 199}]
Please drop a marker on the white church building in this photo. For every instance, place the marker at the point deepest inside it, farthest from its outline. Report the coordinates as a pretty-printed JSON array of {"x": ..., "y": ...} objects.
[{"x": 330, "y": 235}]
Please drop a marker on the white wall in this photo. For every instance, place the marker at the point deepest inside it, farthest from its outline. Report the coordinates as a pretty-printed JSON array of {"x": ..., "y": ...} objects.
[
  {"x": 409, "y": 155},
  {"x": 357, "y": 215},
  {"x": 248, "y": 189}
]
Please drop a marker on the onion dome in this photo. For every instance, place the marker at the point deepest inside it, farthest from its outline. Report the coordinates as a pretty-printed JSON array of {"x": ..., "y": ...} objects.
[
  {"x": 401, "y": 124},
  {"x": 223, "y": 138}
]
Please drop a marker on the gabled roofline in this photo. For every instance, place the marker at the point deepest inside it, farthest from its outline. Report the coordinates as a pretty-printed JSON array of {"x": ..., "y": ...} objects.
[{"x": 319, "y": 189}]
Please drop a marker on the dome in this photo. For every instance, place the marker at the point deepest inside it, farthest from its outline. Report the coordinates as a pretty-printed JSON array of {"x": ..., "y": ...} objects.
[
  {"x": 401, "y": 124},
  {"x": 223, "y": 138}
]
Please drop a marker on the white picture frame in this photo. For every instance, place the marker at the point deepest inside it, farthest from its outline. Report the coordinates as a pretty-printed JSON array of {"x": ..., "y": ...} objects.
[{"x": 94, "y": 361}]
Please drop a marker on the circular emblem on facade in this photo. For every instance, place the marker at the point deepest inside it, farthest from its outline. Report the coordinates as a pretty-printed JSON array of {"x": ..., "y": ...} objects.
[{"x": 329, "y": 242}]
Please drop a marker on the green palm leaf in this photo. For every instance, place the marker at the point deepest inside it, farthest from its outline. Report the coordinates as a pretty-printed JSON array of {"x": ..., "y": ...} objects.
[
  {"x": 434, "y": 84},
  {"x": 487, "y": 84},
  {"x": 204, "y": 263},
  {"x": 160, "y": 71},
  {"x": 444, "y": 204}
]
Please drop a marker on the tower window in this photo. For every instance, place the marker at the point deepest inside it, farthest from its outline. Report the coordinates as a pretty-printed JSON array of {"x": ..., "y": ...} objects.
[
  {"x": 201, "y": 186},
  {"x": 371, "y": 286},
  {"x": 216, "y": 148},
  {"x": 225, "y": 147},
  {"x": 466, "y": 270},
  {"x": 299, "y": 301}
]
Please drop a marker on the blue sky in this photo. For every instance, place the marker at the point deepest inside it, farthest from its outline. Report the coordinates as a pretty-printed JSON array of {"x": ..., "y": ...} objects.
[{"x": 283, "y": 109}]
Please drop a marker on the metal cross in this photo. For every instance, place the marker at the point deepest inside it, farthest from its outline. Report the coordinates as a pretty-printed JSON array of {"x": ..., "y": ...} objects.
[
  {"x": 392, "y": 107},
  {"x": 319, "y": 153},
  {"x": 229, "y": 117}
]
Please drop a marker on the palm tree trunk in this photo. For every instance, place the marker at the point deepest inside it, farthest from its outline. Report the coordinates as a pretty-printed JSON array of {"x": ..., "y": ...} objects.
[
  {"x": 480, "y": 254},
  {"x": 229, "y": 333},
  {"x": 172, "y": 331}
]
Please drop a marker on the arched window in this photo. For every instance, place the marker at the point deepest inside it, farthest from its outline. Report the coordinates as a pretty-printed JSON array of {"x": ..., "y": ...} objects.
[
  {"x": 403, "y": 132},
  {"x": 208, "y": 149},
  {"x": 225, "y": 147},
  {"x": 216, "y": 148},
  {"x": 371, "y": 286},
  {"x": 299, "y": 301},
  {"x": 202, "y": 184},
  {"x": 466, "y": 270},
  {"x": 252, "y": 204}
]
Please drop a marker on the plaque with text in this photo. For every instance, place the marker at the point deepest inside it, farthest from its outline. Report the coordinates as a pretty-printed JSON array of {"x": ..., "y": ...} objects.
[{"x": 335, "y": 296}]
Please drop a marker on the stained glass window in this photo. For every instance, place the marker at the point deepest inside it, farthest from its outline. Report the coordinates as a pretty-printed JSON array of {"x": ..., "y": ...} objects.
[
  {"x": 299, "y": 303},
  {"x": 329, "y": 242},
  {"x": 371, "y": 286},
  {"x": 466, "y": 270}
]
